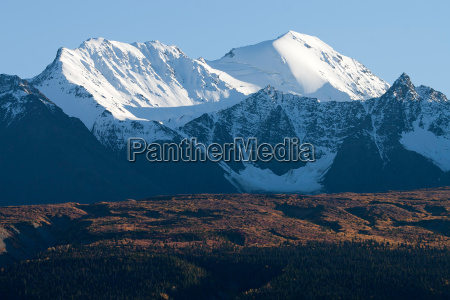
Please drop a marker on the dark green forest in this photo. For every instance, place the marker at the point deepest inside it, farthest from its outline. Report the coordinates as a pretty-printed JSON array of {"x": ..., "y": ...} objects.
[{"x": 315, "y": 270}]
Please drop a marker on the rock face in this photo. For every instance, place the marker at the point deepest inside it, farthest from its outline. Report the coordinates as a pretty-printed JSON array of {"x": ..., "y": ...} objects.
[
  {"x": 397, "y": 141},
  {"x": 402, "y": 143}
]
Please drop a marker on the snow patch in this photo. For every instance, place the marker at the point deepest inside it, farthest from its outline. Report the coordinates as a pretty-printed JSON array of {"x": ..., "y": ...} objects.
[
  {"x": 306, "y": 179},
  {"x": 426, "y": 143}
]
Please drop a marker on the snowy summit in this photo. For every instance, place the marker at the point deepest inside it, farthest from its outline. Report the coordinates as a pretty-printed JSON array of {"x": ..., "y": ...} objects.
[{"x": 304, "y": 65}]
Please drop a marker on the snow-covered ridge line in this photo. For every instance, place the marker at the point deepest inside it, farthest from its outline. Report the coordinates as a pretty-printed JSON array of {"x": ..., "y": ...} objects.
[{"x": 108, "y": 75}]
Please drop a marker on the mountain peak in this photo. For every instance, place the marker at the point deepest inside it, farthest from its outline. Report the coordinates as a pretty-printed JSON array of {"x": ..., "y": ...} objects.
[
  {"x": 94, "y": 42},
  {"x": 269, "y": 90},
  {"x": 289, "y": 33},
  {"x": 294, "y": 34},
  {"x": 404, "y": 79},
  {"x": 305, "y": 40},
  {"x": 6, "y": 81},
  {"x": 403, "y": 89},
  {"x": 13, "y": 83}
]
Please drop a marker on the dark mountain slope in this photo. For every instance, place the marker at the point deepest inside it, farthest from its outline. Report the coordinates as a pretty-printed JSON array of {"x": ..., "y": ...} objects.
[{"x": 48, "y": 157}]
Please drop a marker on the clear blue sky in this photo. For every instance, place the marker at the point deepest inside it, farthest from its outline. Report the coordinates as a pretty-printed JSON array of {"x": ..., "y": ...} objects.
[{"x": 388, "y": 37}]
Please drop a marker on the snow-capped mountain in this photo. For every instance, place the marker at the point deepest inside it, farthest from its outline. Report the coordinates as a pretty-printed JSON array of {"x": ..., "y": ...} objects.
[
  {"x": 114, "y": 76},
  {"x": 304, "y": 65},
  {"x": 397, "y": 141},
  {"x": 120, "y": 90},
  {"x": 394, "y": 137},
  {"x": 130, "y": 80}
]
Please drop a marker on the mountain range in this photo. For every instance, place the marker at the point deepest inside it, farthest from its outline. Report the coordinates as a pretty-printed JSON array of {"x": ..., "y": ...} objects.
[{"x": 65, "y": 130}]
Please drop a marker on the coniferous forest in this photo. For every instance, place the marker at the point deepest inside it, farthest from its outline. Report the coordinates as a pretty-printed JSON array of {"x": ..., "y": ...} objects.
[{"x": 349, "y": 270}]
